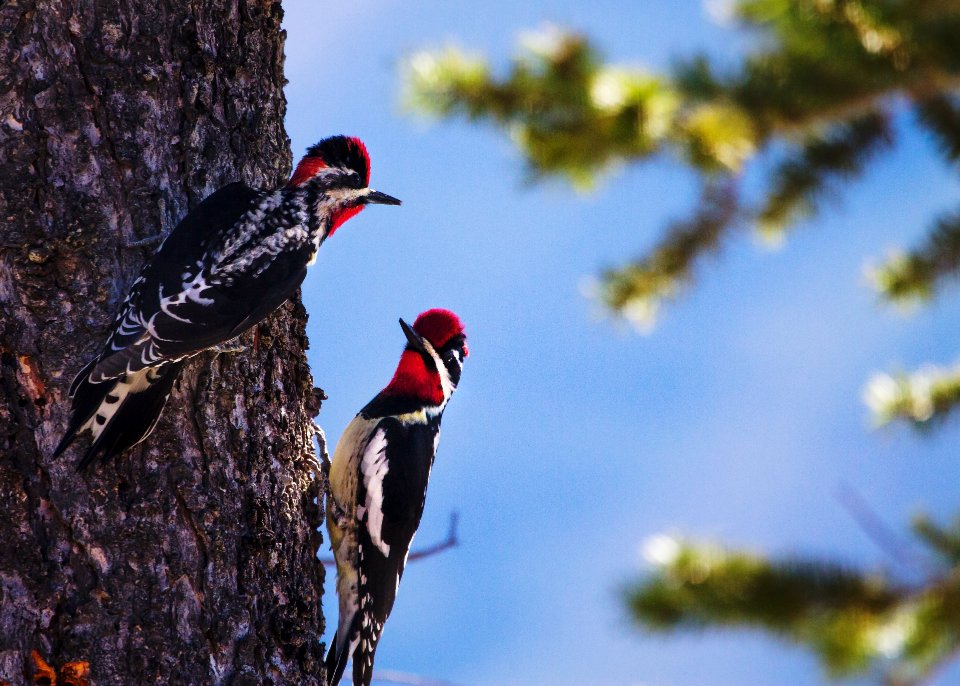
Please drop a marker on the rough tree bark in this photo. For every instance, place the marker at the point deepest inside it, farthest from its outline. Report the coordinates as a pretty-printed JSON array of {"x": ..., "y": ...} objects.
[{"x": 191, "y": 559}]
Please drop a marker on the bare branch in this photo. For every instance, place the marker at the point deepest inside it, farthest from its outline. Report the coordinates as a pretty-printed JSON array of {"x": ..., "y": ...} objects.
[
  {"x": 875, "y": 528},
  {"x": 389, "y": 676},
  {"x": 451, "y": 541}
]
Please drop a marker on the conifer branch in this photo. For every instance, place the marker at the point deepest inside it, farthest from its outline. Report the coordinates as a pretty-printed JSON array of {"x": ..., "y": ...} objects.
[
  {"x": 800, "y": 181},
  {"x": 915, "y": 276},
  {"x": 831, "y": 76},
  {"x": 944, "y": 541},
  {"x": 637, "y": 290},
  {"x": 828, "y": 606},
  {"x": 854, "y": 621},
  {"x": 940, "y": 115},
  {"x": 569, "y": 114},
  {"x": 921, "y": 398}
]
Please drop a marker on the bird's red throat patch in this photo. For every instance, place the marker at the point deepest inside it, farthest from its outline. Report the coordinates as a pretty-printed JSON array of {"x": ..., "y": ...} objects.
[
  {"x": 339, "y": 218},
  {"x": 414, "y": 380}
]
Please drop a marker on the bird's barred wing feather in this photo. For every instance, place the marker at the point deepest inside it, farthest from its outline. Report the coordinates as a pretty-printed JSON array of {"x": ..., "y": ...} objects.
[
  {"x": 121, "y": 392},
  {"x": 179, "y": 305}
]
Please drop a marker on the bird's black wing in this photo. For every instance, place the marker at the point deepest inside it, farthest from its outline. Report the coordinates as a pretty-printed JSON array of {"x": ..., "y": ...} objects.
[
  {"x": 178, "y": 306},
  {"x": 121, "y": 392},
  {"x": 391, "y": 488}
]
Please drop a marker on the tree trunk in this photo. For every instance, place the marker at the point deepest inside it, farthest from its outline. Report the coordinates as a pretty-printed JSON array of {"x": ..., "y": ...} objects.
[{"x": 191, "y": 558}]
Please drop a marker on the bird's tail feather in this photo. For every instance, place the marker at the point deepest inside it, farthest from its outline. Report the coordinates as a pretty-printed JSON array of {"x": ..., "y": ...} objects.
[
  {"x": 86, "y": 398},
  {"x": 81, "y": 376},
  {"x": 366, "y": 645},
  {"x": 339, "y": 652},
  {"x": 119, "y": 413}
]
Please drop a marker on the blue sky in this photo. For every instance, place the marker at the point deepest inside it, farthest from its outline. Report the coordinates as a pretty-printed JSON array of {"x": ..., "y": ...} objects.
[{"x": 572, "y": 440}]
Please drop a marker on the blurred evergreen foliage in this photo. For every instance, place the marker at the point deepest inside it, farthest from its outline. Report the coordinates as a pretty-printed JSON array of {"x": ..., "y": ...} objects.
[
  {"x": 810, "y": 108},
  {"x": 855, "y": 621}
]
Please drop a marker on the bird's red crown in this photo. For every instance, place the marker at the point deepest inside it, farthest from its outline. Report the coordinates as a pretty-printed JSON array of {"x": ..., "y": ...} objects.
[
  {"x": 347, "y": 152},
  {"x": 438, "y": 326}
]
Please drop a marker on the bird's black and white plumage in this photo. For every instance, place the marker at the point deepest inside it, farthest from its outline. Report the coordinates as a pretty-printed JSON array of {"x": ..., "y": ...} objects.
[
  {"x": 378, "y": 486},
  {"x": 226, "y": 266}
]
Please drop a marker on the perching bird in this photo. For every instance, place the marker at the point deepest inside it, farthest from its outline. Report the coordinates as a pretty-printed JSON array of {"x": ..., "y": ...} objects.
[
  {"x": 378, "y": 485},
  {"x": 227, "y": 265}
]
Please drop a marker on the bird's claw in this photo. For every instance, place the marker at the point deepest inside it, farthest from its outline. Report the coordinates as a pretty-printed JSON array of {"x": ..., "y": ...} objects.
[
  {"x": 145, "y": 242},
  {"x": 229, "y": 347}
]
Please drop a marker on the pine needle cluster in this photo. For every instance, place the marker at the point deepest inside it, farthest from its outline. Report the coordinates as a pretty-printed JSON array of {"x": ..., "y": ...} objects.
[
  {"x": 809, "y": 109},
  {"x": 857, "y": 622}
]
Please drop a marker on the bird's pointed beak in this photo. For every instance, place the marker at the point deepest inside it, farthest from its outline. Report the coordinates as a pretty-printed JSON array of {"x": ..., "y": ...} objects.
[
  {"x": 378, "y": 198},
  {"x": 413, "y": 338}
]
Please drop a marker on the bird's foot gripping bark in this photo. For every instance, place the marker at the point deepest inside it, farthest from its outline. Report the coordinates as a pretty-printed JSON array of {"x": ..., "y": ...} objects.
[
  {"x": 325, "y": 493},
  {"x": 335, "y": 512},
  {"x": 229, "y": 347},
  {"x": 145, "y": 242}
]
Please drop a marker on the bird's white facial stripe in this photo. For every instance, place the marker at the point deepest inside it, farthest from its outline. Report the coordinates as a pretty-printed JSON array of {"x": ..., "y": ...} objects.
[
  {"x": 374, "y": 468},
  {"x": 446, "y": 383},
  {"x": 458, "y": 360},
  {"x": 343, "y": 196}
]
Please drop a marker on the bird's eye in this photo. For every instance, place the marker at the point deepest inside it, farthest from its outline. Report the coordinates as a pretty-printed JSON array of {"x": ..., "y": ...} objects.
[{"x": 353, "y": 180}]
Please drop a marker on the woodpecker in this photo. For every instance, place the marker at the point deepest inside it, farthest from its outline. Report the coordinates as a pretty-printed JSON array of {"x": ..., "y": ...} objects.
[
  {"x": 226, "y": 266},
  {"x": 378, "y": 485}
]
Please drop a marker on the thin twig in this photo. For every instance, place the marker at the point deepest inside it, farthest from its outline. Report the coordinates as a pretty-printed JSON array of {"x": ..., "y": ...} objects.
[
  {"x": 875, "y": 528},
  {"x": 451, "y": 541},
  {"x": 390, "y": 676}
]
